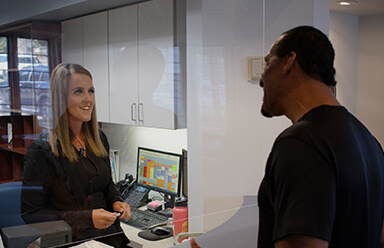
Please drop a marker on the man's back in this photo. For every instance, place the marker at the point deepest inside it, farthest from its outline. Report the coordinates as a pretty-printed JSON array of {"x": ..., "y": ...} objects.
[{"x": 324, "y": 178}]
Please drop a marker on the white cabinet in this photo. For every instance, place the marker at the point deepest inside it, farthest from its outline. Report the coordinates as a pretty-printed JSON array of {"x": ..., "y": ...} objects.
[
  {"x": 123, "y": 65},
  {"x": 72, "y": 41},
  {"x": 95, "y": 55},
  {"x": 85, "y": 42},
  {"x": 131, "y": 53},
  {"x": 141, "y": 44},
  {"x": 156, "y": 64}
]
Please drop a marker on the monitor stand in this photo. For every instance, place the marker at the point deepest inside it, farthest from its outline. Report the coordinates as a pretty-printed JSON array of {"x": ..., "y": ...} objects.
[{"x": 169, "y": 200}]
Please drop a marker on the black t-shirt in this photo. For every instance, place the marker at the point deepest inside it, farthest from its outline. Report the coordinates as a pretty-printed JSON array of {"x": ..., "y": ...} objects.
[{"x": 324, "y": 178}]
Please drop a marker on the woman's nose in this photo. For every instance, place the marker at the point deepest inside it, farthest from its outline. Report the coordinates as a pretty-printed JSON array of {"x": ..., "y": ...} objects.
[{"x": 87, "y": 97}]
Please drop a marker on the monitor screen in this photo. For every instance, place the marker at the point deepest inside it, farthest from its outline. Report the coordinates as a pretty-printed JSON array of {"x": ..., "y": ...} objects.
[{"x": 159, "y": 170}]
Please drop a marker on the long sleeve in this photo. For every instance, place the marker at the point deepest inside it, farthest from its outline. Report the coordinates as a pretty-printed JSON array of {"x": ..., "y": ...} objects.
[
  {"x": 45, "y": 194},
  {"x": 56, "y": 189}
]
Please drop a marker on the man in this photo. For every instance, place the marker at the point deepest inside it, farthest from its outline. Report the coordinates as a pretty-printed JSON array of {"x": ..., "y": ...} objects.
[{"x": 324, "y": 179}]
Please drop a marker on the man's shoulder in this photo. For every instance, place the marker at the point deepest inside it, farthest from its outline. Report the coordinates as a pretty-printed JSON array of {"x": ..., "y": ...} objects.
[
  {"x": 297, "y": 130},
  {"x": 319, "y": 121}
]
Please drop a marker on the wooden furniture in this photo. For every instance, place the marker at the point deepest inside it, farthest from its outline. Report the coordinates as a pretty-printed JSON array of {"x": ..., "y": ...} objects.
[{"x": 24, "y": 131}]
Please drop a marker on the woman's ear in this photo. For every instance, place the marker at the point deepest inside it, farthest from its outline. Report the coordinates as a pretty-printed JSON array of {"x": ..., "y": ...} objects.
[{"x": 290, "y": 61}]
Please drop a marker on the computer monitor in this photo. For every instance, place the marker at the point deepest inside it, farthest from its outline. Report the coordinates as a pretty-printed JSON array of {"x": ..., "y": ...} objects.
[{"x": 160, "y": 171}]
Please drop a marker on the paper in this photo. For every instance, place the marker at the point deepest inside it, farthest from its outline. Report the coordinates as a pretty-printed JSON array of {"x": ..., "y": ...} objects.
[{"x": 92, "y": 244}]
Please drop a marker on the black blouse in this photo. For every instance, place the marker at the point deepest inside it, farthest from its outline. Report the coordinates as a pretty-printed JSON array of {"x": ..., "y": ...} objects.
[{"x": 56, "y": 189}]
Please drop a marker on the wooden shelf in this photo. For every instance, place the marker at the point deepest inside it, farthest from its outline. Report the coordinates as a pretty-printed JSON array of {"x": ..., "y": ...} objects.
[
  {"x": 7, "y": 181},
  {"x": 24, "y": 131},
  {"x": 19, "y": 150}
]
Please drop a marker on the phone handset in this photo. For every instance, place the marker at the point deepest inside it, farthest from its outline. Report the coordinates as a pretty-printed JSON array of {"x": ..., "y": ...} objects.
[{"x": 124, "y": 186}]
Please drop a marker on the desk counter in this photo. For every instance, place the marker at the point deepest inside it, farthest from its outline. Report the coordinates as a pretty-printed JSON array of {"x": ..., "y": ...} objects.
[{"x": 132, "y": 232}]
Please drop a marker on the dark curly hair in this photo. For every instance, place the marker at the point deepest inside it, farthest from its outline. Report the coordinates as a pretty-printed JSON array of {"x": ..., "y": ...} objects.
[{"x": 314, "y": 52}]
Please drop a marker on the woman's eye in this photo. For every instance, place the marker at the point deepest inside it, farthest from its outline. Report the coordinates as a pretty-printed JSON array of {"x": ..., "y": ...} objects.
[
  {"x": 91, "y": 91},
  {"x": 78, "y": 92}
]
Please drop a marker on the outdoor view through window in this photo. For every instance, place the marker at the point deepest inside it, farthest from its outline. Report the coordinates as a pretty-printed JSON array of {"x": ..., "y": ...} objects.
[{"x": 33, "y": 71}]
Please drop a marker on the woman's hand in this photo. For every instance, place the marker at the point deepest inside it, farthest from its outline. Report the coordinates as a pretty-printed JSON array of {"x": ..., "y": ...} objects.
[
  {"x": 123, "y": 208},
  {"x": 102, "y": 219}
]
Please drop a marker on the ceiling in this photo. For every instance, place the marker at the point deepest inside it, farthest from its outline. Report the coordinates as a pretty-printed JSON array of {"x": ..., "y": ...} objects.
[
  {"x": 361, "y": 8},
  {"x": 81, "y": 7},
  {"x": 16, "y": 12}
]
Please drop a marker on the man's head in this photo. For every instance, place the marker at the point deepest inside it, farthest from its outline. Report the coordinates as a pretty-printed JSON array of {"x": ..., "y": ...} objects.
[
  {"x": 314, "y": 51},
  {"x": 305, "y": 47}
]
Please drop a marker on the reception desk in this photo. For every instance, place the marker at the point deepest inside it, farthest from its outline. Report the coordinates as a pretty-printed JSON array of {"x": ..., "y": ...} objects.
[{"x": 238, "y": 231}]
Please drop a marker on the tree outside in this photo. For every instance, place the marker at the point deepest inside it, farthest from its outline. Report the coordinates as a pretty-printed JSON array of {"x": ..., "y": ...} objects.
[{"x": 3, "y": 45}]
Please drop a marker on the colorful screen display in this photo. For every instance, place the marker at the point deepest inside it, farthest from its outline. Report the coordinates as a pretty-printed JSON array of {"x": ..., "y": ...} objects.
[{"x": 159, "y": 170}]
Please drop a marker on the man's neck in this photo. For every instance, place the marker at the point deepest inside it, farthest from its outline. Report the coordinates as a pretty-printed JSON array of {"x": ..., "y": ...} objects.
[{"x": 307, "y": 97}]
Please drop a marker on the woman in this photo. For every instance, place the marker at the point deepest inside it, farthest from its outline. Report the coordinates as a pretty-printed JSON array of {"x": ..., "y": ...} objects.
[{"x": 67, "y": 173}]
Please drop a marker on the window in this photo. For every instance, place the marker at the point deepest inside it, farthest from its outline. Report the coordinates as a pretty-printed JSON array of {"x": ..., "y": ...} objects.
[
  {"x": 32, "y": 59},
  {"x": 28, "y": 53},
  {"x": 4, "y": 85}
]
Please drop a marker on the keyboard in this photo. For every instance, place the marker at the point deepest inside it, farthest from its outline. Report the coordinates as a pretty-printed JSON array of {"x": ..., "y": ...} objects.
[{"x": 144, "y": 219}]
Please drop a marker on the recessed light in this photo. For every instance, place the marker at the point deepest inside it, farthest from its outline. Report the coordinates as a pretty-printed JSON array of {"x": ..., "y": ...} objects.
[{"x": 346, "y": 3}]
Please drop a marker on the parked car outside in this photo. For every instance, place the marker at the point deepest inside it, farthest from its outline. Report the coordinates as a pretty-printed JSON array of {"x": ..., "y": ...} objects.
[
  {"x": 34, "y": 85},
  {"x": 34, "y": 91},
  {"x": 26, "y": 61}
]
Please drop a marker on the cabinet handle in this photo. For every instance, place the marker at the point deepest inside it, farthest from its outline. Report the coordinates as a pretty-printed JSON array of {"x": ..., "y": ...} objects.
[
  {"x": 133, "y": 110},
  {"x": 140, "y": 114}
]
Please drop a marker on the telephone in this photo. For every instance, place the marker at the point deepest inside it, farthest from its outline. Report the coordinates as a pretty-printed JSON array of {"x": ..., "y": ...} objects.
[
  {"x": 134, "y": 195},
  {"x": 125, "y": 185}
]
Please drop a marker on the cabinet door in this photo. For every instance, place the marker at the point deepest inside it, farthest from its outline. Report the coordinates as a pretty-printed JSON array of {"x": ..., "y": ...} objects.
[
  {"x": 72, "y": 41},
  {"x": 95, "y": 53},
  {"x": 156, "y": 84},
  {"x": 123, "y": 65}
]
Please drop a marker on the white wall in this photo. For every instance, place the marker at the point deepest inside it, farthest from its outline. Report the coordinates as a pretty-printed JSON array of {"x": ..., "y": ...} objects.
[
  {"x": 228, "y": 139},
  {"x": 344, "y": 35},
  {"x": 370, "y": 100},
  {"x": 359, "y": 62}
]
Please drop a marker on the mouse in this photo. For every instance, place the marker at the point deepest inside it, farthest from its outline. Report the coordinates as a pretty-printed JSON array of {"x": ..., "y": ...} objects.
[{"x": 159, "y": 230}]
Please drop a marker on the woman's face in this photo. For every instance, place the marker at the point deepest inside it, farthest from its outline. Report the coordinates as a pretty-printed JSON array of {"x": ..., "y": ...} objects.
[{"x": 80, "y": 99}]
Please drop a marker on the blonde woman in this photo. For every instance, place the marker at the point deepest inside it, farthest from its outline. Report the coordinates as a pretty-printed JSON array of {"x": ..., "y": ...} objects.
[{"x": 67, "y": 173}]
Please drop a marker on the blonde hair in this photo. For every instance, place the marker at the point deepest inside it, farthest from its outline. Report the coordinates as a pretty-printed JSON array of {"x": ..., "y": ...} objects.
[{"x": 61, "y": 133}]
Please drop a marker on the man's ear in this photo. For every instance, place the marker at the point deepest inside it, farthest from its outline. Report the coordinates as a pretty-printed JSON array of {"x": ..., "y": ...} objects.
[{"x": 290, "y": 61}]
